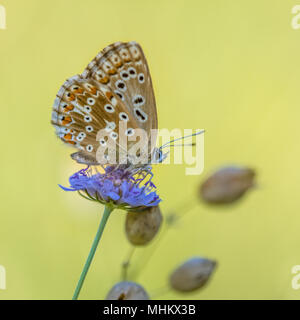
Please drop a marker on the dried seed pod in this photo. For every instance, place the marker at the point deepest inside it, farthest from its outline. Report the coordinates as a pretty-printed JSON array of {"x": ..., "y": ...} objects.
[
  {"x": 192, "y": 274},
  {"x": 127, "y": 290},
  {"x": 142, "y": 226},
  {"x": 227, "y": 185}
]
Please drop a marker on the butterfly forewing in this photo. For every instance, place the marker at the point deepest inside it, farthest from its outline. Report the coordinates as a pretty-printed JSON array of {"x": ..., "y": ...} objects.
[{"x": 123, "y": 68}]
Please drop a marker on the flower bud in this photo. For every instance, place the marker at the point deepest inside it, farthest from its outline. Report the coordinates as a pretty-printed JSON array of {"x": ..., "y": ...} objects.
[
  {"x": 192, "y": 274},
  {"x": 227, "y": 185},
  {"x": 142, "y": 226},
  {"x": 127, "y": 290}
]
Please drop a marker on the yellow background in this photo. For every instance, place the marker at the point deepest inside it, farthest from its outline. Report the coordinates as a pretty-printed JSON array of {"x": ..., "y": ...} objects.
[{"x": 230, "y": 67}]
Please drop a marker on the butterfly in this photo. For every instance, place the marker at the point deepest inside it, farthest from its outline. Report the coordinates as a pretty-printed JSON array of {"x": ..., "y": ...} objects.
[{"x": 114, "y": 91}]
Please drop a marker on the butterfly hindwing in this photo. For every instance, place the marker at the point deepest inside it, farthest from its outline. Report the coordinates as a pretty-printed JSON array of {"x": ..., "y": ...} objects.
[{"x": 83, "y": 108}]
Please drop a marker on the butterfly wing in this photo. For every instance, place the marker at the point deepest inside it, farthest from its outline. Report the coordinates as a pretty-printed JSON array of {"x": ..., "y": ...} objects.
[
  {"x": 123, "y": 69},
  {"x": 83, "y": 108},
  {"x": 116, "y": 84}
]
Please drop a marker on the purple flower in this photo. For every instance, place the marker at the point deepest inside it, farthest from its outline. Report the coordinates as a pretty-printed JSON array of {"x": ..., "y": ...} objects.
[{"x": 117, "y": 186}]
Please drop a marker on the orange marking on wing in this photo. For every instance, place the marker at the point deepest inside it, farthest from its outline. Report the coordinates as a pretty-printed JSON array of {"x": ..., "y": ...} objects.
[
  {"x": 66, "y": 120},
  {"x": 119, "y": 64},
  {"x": 104, "y": 80},
  {"x": 93, "y": 90},
  {"x": 109, "y": 95},
  {"x": 112, "y": 71},
  {"x": 79, "y": 91},
  {"x": 68, "y": 108},
  {"x": 68, "y": 136},
  {"x": 71, "y": 97}
]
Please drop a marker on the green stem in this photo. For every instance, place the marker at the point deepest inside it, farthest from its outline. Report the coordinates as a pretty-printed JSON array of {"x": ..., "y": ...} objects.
[
  {"x": 126, "y": 264},
  {"x": 105, "y": 216}
]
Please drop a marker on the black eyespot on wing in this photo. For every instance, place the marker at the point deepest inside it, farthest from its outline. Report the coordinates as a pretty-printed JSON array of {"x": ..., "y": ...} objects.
[{"x": 139, "y": 114}]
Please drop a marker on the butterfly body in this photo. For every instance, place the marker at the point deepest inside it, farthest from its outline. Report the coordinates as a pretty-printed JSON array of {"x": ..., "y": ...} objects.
[{"x": 108, "y": 103}]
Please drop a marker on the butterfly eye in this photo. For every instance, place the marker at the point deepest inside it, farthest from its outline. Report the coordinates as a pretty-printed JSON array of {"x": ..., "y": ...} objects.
[
  {"x": 132, "y": 72},
  {"x": 141, "y": 78},
  {"x": 129, "y": 132},
  {"x": 89, "y": 148},
  {"x": 123, "y": 116},
  {"x": 91, "y": 101},
  {"x": 89, "y": 128},
  {"x": 114, "y": 135},
  {"x": 109, "y": 108},
  {"x": 160, "y": 154},
  {"x": 87, "y": 119}
]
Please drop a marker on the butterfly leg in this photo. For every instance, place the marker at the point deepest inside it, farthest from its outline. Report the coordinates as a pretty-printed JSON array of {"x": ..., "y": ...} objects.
[{"x": 148, "y": 171}]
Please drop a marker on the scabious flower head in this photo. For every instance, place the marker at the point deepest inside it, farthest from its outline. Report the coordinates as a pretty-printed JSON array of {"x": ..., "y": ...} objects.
[{"x": 119, "y": 186}]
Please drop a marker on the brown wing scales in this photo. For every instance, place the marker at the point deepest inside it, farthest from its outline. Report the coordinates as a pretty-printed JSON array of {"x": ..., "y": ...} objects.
[{"x": 115, "y": 86}]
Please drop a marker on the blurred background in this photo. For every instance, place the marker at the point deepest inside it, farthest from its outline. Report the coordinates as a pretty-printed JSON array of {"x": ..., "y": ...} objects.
[{"x": 230, "y": 67}]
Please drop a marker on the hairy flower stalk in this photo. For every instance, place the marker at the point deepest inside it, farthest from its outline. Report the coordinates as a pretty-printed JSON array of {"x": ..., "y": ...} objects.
[
  {"x": 118, "y": 187},
  {"x": 105, "y": 216}
]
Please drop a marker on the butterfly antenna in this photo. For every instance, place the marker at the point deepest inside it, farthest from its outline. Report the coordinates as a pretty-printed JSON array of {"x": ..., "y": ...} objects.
[
  {"x": 169, "y": 144},
  {"x": 183, "y": 145}
]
